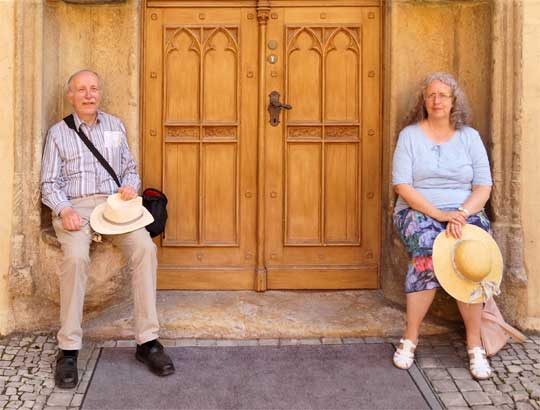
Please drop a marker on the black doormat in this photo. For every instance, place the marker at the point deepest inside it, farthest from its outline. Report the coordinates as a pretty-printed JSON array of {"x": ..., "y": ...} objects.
[{"x": 357, "y": 376}]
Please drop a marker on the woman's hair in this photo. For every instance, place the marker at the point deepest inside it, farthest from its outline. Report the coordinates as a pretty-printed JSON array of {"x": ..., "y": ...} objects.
[{"x": 460, "y": 112}]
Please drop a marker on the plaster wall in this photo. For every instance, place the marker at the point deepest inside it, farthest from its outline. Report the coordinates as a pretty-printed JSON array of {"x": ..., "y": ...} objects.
[
  {"x": 530, "y": 150},
  {"x": 103, "y": 38},
  {"x": 7, "y": 111},
  {"x": 423, "y": 37},
  {"x": 55, "y": 39}
]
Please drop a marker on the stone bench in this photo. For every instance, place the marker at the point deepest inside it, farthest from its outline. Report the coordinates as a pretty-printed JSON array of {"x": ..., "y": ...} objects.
[{"x": 108, "y": 282}]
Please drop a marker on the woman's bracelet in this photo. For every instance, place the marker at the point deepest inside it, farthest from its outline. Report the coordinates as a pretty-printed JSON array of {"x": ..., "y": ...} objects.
[{"x": 465, "y": 211}]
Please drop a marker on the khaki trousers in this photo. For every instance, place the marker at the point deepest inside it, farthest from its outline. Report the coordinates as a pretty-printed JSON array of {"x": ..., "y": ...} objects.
[{"x": 139, "y": 251}]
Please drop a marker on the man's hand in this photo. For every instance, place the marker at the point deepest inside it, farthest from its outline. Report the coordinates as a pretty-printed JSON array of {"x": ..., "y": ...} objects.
[
  {"x": 71, "y": 220},
  {"x": 127, "y": 193}
]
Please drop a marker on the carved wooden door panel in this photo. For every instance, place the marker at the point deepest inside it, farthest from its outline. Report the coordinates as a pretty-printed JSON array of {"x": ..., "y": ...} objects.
[
  {"x": 199, "y": 143},
  {"x": 323, "y": 160},
  {"x": 255, "y": 206}
]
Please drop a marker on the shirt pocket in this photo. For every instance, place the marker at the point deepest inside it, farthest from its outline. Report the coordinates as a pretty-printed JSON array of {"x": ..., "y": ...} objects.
[{"x": 112, "y": 139}]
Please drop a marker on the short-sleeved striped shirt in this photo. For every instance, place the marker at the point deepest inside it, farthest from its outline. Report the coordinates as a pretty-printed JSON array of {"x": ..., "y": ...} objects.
[{"x": 69, "y": 169}]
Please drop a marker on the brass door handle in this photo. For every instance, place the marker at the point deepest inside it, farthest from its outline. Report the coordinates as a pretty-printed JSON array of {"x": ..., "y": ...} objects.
[{"x": 275, "y": 107}]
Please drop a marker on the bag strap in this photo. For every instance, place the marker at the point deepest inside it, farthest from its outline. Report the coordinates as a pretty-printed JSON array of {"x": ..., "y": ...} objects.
[
  {"x": 512, "y": 331},
  {"x": 70, "y": 122}
]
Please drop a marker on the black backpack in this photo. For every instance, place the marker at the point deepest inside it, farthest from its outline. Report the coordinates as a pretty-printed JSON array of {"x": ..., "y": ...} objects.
[{"x": 156, "y": 203}]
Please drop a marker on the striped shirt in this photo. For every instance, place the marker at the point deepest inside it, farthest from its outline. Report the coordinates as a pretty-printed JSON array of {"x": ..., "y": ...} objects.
[{"x": 69, "y": 169}]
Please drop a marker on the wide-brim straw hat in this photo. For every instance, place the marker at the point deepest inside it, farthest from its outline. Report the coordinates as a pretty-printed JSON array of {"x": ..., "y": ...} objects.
[
  {"x": 469, "y": 268},
  {"x": 116, "y": 216}
]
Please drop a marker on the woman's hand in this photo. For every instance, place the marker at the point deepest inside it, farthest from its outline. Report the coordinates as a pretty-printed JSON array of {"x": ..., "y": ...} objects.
[
  {"x": 455, "y": 219},
  {"x": 449, "y": 216}
]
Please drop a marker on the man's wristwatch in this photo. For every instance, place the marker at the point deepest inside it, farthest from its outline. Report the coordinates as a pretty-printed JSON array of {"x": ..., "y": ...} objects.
[{"x": 465, "y": 211}]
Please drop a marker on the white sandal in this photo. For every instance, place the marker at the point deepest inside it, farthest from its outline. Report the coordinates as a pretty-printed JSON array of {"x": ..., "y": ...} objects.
[
  {"x": 478, "y": 363},
  {"x": 404, "y": 355}
]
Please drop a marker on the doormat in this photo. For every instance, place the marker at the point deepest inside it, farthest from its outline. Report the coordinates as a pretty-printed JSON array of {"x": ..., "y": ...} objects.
[{"x": 356, "y": 376}]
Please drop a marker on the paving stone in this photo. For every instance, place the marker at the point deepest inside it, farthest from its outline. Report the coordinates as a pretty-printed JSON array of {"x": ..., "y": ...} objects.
[
  {"x": 331, "y": 341},
  {"x": 514, "y": 369},
  {"x": 126, "y": 343},
  {"x": 476, "y": 398},
  {"x": 500, "y": 398},
  {"x": 484, "y": 407},
  {"x": 60, "y": 399},
  {"x": 468, "y": 385},
  {"x": 459, "y": 373},
  {"x": 81, "y": 388},
  {"x": 10, "y": 391},
  {"x": 444, "y": 386},
  {"x": 490, "y": 388},
  {"x": 206, "y": 342},
  {"x": 428, "y": 362},
  {"x": 288, "y": 342},
  {"x": 374, "y": 340},
  {"x": 311, "y": 342},
  {"x": 353, "y": 340},
  {"x": 77, "y": 399},
  {"x": 452, "y": 399},
  {"x": 270, "y": 342},
  {"x": 437, "y": 374},
  {"x": 107, "y": 343},
  {"x": 168, "y": 342},
  {"x": 520, "y": 396},
  {"x": 524, "y": 406}
]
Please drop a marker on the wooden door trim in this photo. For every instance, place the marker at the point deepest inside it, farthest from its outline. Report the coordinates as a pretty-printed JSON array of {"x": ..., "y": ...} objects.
[
  {"x": 364, "y": 277},
  {"x": 263, "y": 14},
  {"x": 256, "y": 3},
  {"x": 205, "y": 279}
]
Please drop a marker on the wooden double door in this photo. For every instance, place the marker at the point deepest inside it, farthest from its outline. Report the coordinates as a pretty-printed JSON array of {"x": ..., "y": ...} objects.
[{"x": 292, "y": 203}]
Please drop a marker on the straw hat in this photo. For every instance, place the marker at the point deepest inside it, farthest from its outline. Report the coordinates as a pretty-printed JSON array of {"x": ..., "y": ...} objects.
[
  {"x": 469, "y": 268},
  {"x": 116, "y": 216}
]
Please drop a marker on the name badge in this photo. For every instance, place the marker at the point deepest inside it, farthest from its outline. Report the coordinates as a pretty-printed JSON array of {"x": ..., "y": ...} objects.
[{"x": 112, "y": 139}]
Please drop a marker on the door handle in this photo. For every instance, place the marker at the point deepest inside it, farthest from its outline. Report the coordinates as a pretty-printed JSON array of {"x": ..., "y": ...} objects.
[{"x": 275, "y": 107}]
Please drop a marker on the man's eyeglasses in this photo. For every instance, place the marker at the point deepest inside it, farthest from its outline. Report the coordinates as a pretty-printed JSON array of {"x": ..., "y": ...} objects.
[{"x": 440, "y": 96}]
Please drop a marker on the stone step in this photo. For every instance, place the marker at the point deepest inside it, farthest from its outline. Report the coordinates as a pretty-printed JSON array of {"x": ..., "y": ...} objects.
[{"x": 267, "y": 315}]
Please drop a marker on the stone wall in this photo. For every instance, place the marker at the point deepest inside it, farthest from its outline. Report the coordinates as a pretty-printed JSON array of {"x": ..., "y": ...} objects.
[
  {"x": 530, "y": 151},
  {"x": 490, "y": 45},
  {"x": 422, "y": 37},
  {"x": 54, "y": 39},
  {"x": 7, "y": 110}
]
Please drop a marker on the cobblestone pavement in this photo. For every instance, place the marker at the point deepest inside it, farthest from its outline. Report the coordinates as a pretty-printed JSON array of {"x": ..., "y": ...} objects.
[{"x": 26, "y": 370}]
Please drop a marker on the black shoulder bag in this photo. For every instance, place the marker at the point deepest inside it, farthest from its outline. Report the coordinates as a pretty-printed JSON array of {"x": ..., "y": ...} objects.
[{"x": 153, "y": 200}]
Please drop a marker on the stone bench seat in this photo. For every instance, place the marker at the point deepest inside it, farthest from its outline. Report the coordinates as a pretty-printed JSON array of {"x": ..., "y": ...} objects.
[{"x": 108, "y": 281}]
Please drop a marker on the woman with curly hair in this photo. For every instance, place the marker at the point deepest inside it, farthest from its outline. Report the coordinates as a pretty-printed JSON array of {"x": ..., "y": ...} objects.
[{"x": 442, "y": 177}]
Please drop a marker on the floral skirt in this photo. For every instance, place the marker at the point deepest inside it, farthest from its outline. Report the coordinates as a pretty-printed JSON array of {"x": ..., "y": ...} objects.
[{"x": 418, "y": 232}]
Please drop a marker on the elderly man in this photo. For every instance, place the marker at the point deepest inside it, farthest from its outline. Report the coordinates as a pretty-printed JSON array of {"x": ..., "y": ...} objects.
[{"x": 73, "y": 183}]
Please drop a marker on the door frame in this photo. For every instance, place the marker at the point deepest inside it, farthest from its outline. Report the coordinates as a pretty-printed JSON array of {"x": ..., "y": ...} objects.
[{"x": 263, "y": 14}]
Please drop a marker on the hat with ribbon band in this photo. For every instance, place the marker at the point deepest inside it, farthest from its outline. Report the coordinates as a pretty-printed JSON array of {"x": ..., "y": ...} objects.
[
  {"x": 469, "y": 268},
  {"x": 116, "y": 216}
]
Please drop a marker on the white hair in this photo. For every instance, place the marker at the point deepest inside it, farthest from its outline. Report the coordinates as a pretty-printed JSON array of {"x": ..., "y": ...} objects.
[{"x": 67, "y": 86}]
